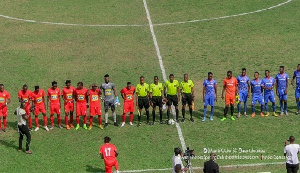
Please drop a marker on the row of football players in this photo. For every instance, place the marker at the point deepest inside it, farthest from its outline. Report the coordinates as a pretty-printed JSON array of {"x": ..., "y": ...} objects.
[{"x": 154, "y": 95}]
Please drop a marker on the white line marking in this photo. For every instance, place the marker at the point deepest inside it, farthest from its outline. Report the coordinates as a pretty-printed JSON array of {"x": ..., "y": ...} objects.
[
  {"x": 196, "y": 168},
  {"x": 162, "y": 68},
  {"x": 139, "y": 25}
]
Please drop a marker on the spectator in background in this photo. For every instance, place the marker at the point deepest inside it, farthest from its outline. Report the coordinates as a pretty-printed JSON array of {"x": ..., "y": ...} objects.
[
  {"x": 291, "y": 152},
  {"x": 211, "y": 166}
]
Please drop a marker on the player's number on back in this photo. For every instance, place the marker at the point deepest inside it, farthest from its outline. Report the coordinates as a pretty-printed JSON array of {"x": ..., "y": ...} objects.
[{"x": 107, "y": 151}]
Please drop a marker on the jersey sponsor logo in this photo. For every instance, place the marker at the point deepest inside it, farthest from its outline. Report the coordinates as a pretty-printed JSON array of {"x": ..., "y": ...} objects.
[
  {"x": 129, "y": 97},
  {"x": 53, "y": 97},
  {"x": 39, "y": 100},
  {"x": 108, "y": 92},
  {"x": 69, "y": 96},
  {"x": 80, "y": 97},
  {"x": 95, "y": 98},
  {"x": 2, "y": 99}
]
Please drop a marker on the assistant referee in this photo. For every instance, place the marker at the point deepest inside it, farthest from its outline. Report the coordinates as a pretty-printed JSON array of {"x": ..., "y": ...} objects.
[
  {"x": 142, "y": 93},
  {"x": 23, "y": 128},
  {"x": 187, "y": 94}
]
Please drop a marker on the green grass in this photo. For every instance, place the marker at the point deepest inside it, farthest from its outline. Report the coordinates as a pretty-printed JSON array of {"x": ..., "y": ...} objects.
[{"x": 38, "y": 54}]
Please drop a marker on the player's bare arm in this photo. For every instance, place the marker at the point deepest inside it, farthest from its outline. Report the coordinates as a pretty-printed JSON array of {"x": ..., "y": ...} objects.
[
  {"x": 216, "y": 92},
  {"x": 203, "y": 93},
  {"x": 193, "y": 93},
  {"x": 224, "y": 88},
  {"x": 287, "y": 85},
  {"x": 178, "y": 92}
]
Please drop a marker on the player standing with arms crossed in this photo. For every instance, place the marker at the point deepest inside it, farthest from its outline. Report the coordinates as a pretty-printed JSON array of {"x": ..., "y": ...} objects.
[
  {"x": 268, "y": 84},
  {"x": 127, "y": 94},
  {"x": 156, "y": 97},
  {"x": 53, "y": 96},
  {"x": 256, "y": 88},
  {"x": 171, "y": 91},
  {"x": 4, "y": 101},
  {"x": 230, "y": 86},
  {"x": 244, "y": 91},
  {"x": 282, "y": 79},
  {"x": 38, "y": 100},
  {"x": 209, "y": 95},
  {"x": 109, "y": 152},
  {"x": 297, "y": 90},
  {"x": 81, "y": 98},
  {"x": 95, "y": 106},
  {"x": 187, "y": 94},
  {"x": 110, "y": 99},
  {"x": 142, "y": 99},
  {"x": 25, "y": 95},
  {"x": 67, "y": 95}
]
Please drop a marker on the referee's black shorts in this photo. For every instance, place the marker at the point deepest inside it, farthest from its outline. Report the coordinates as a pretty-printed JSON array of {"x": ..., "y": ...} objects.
[
  {"x": 157, "y": 101},
  {"x": 143, "y": 102},
  {"x": 187, "y": 99},
  {"x": 172, "y": 99},
  {"x": 292, "y": 168}
]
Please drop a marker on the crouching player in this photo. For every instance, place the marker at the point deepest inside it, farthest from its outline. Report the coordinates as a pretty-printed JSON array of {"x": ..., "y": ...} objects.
[
  {"x": 95, "y": 107},
  {"x": 109, "y": 153}
]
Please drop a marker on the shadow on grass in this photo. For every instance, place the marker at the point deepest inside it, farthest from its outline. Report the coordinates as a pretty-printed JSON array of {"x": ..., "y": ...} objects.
[
  {"x": 90, "y": 168},
  {"x": 9, "y": 144}
]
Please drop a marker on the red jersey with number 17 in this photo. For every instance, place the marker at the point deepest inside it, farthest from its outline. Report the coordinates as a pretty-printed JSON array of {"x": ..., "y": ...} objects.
[
  {"x": 108, "y": 152},
  {"x": 129, "y": 94},
  {"x": 80, "y": 95}
]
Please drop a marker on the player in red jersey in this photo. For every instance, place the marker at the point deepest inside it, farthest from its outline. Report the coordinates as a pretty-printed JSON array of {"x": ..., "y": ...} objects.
[
  {"x": 38, "y": 100},
  {"x": 127, "y": 94},
  {"x": 53, "y": 96},
  {"x": 68, "y": 97},
  {"x": 4, "y": 101},
  {"x": 95, "y": 107},
  {"x": 81, "y": 98},
  {"x": 25, "y": 95},
  {"x": 109, "y": 153}
]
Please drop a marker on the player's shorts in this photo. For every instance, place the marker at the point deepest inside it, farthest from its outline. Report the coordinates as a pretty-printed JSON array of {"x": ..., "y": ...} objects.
[
  {"x": 297, "y": 92},
  {"x": 243, "y": 96},
  {"x": 110, "y": 164},
  {"x": 109, "y": 104},
  {"x": 54, "y": 109},
  {"x": 80, "y": 109},
  {"x": 188, "y": 99},
  {"x": 269, "y": 97},
  {"x": 281, "y": 94},
  {"x": 257, "y": 98},
  {"x": 39, "y": 109},
  {"x": 128, "y": 107},
  {"x": 27, "y": 109},
  {"x": 229, "y": 99},
  {"x": 209, "y": 100},
  {"x": 69, "y": 107},
  {"x": 172, "y": 99},
  {"x": 143, "y": 102},
  {"x": 95, "y": 110},
  {"x": 157, "y": 101},
  {"x": 3, "y": 111}
]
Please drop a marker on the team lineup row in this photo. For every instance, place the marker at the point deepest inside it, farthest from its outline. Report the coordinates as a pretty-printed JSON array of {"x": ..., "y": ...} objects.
[{"x": 154, "y": 95}]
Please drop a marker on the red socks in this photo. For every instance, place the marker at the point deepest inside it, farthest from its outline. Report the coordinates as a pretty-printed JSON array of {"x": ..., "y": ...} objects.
[
  {"x": 59, "y": 120},
  {"x": 66, "y": 120},
  {"x": 52, "y": 120},
  {"x": 71, "y": 119},
  {"x": 100, "y": 120},
  {"x": 30, "y": 121},
  {"x": 91, "y": 121},
  {"x": 124, "y": 117},
  {"x": 4, "y": 122},
  {"x": 130, "y": 117},
  {"x": 45, "y": 121},
  {"x": 77, "y": 119},
  {"x": 36, "y": 118},
  {"x": 84, "y": 119}
]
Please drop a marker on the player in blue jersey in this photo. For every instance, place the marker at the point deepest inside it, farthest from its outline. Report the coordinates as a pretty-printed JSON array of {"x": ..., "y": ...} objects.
[
  {"x": 268, "y": 84},
  {"x": 244, "y": 91},
  {"x": 297, "y": 90},
  {"x": 281, "y": 89},
  {"x": 209, "y": 95},
  {"x": 256, "y": 89}
]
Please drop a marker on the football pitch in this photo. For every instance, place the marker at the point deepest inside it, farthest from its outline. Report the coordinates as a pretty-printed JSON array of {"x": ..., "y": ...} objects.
[{"x": 42, "y": 41}]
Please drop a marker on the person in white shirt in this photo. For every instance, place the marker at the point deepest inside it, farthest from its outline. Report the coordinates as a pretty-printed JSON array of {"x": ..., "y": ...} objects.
[
  {"x": 177, "y": 160},
  {"x": 23, "y": 128},
  {"x": 291, "y": 152}
]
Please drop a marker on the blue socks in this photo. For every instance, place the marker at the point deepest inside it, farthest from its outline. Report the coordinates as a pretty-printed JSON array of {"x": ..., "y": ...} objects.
[{"x": 267, "y": 107}]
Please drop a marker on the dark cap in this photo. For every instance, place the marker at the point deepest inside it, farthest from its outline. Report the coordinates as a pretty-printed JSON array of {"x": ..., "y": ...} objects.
[
  {"x": 36, "y": 87},
  {"x": 106, "y": 75}
]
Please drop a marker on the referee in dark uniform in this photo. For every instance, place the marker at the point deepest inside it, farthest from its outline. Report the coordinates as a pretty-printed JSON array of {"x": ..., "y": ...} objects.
[
  {"x": 171, "y": 91},
  {"x": 187, "y": 93},
  {"x": 23, "y": 128}
]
